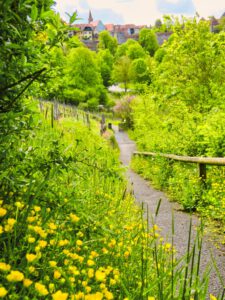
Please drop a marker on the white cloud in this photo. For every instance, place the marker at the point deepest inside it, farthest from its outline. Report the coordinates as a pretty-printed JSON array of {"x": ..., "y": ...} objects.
[
  {"x": 137, "y": 11},
  {"x": 208, "y": 8}
]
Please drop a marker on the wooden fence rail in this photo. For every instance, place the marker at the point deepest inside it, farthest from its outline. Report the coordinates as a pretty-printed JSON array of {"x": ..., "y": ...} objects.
[{"x": 201, "y": 161}]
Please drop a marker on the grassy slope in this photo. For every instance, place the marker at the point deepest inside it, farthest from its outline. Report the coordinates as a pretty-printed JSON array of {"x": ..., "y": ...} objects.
[{"x": 69, "y": 228}]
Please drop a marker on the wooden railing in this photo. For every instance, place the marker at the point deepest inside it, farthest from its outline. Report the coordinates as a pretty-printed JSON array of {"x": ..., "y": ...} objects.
[{"x": 201, "y": 161}]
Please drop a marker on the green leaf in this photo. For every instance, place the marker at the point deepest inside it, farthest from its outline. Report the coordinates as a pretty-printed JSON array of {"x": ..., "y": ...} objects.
[
  {"x": 73, "y": 17},
  {"x": 34, "y": 13}
]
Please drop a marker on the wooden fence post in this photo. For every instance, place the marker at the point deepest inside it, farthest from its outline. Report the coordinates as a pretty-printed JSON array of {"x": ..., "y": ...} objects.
[
  {"x": 202, "y": 172},
  {"x": 52, "y": 115},
  {"x": 88, "y": 120}
]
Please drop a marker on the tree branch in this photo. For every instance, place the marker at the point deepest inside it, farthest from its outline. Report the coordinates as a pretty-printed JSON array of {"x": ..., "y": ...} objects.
[
  {"x": 37, "y": 74},
  {"x": 22, "y": 80}
]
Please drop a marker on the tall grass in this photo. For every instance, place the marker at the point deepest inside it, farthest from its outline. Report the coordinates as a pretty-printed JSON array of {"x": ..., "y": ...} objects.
[{"x": 70, "y": 229}]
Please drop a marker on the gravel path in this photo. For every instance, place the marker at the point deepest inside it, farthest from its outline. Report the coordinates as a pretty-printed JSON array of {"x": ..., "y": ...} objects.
[{"x": 143, "y": 192}]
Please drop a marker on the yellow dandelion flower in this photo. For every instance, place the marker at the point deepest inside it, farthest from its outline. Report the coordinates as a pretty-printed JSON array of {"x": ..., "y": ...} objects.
[
  {"x": 11, "y": 221},
  {"x": 112, "y": 243},
  {"x": 4, "y": 266},
  {"x": 3, "y": 292},
  {"x": 151, "y": 298},
  {"x": 96, "y": 296},
  {"x": 31, "y": 269},
  {"x": 100, "y": 276},
  {"x": 84, "y": 283},
  {"x": 112, "y": 281},
  {"x": 109, "y": 295},
  {"x": 62, "y": 280},
  {"x": 79, "y": 296},
  {"x": 3, "y": 212},
  {"x": 27, "y": 282},
  {"x": 15, "y": 276},
  {"x": 60, "y": 295},
  {"x": 31, "y": 219},
  {"x": 126, "y": 254},
  {"x": 116, "y": 272},
  {"x": 63, "y": 243},
  {"x": 212, "y": 297},
  {"x": 79, "y": 243},
  {"x": 37, "y": 208},
  {"x": 31, "y": 240},
  {"x": 167, "y": 246},
  {"x": 52, "y": 226},
  {"x": 57, "y": 274},
  {"x": 94, "y": 254},
  {"x": 41, "y": 289},
  {"x": 52, "y": 242},
  {"x": 42, "y": 243},
  {"x": 91, "y": 273},
  {"x": 88, "y": 289},
  {"x": 155, "y": 227},
  {"x": 81, "y": 259},
  {"x": 102, "y": 286},
  {"x": 1, "y": 229},
  {"x": 74, "y": 218},
  {"x": 105, "y": 251},
  {"x": 90, "y": 263},
  {"x": 51, "y": 287},
  {"x": 37, "y": 249},
  {"x": 18, "y": 204},
  {"x": 30, "y": 257}
]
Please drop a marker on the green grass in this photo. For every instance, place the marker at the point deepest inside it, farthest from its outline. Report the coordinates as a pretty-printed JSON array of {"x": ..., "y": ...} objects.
[{"x": 69, "y": 227}]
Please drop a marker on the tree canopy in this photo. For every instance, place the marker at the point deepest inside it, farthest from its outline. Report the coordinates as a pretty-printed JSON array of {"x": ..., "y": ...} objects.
[{"x": 148, "y": 40}]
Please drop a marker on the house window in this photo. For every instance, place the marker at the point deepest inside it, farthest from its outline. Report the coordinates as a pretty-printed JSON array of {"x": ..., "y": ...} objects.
[{"x": 132, "y": 30}]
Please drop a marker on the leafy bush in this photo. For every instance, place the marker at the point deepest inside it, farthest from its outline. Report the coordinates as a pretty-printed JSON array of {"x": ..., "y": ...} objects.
[{"x": 70, "y": 229}]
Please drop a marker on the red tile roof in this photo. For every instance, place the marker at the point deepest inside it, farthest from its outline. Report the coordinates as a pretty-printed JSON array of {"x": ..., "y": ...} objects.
[
  {"x": 109, "y": 27},
  {"x": 95, "y": 23}
]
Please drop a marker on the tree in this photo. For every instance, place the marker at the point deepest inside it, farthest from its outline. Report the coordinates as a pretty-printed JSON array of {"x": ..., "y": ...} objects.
[
  {"x": 82, "y": 78},
  {"x": 122, "y": 71},
  {"x": 122, "y": 49},
  {"x": 221, "y": 26},
  {"x": 105, "y": 63},
  {"x": 106, "y": 41},
  {"x": 140, "y": 71},
  {"x": 158, "y": 23},
  {"x": 148, "y": 40},
  {"x": 135, "y": 51},
  {"x": 192, "y": 69},
  {"x": 28, "y": 31}
]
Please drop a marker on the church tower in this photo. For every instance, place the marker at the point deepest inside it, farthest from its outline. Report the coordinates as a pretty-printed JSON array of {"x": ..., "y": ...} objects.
[{"x": 90, "y": 18}]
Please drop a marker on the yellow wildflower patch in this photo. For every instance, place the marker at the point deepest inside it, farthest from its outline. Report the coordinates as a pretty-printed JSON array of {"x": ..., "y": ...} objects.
[
  {"x": 15, "y": 276},
  {"x": 59, "y": 295}
]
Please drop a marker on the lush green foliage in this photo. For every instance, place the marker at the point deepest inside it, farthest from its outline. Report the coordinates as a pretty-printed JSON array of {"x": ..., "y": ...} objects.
[
  {"x": 122, "y": 71},
  {"x": 105, "y": 62},
  {"x": 148, "y": 40},
  {"x": 106, "y": 41},
  {"x": 183, "y": 113},
  {"x": 69, "y": 228}
]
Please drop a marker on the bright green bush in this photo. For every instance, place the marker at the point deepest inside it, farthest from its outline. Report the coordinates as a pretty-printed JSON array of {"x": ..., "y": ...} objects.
[{"x": 69, "y": 227}]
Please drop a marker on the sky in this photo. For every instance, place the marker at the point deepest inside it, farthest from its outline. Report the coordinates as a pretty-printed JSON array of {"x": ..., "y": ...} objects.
[{"x": 139, "y": 12}]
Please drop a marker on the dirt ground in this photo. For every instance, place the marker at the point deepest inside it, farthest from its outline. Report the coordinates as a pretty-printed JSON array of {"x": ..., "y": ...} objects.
[{"x": 144, "y": 193}]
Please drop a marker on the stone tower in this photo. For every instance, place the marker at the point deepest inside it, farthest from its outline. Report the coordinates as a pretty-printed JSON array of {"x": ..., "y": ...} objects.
[{"x": 90, "y": 18}]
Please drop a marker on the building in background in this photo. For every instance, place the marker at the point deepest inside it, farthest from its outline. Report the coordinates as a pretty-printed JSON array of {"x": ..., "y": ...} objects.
[{"x": 89, "y": 32}]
